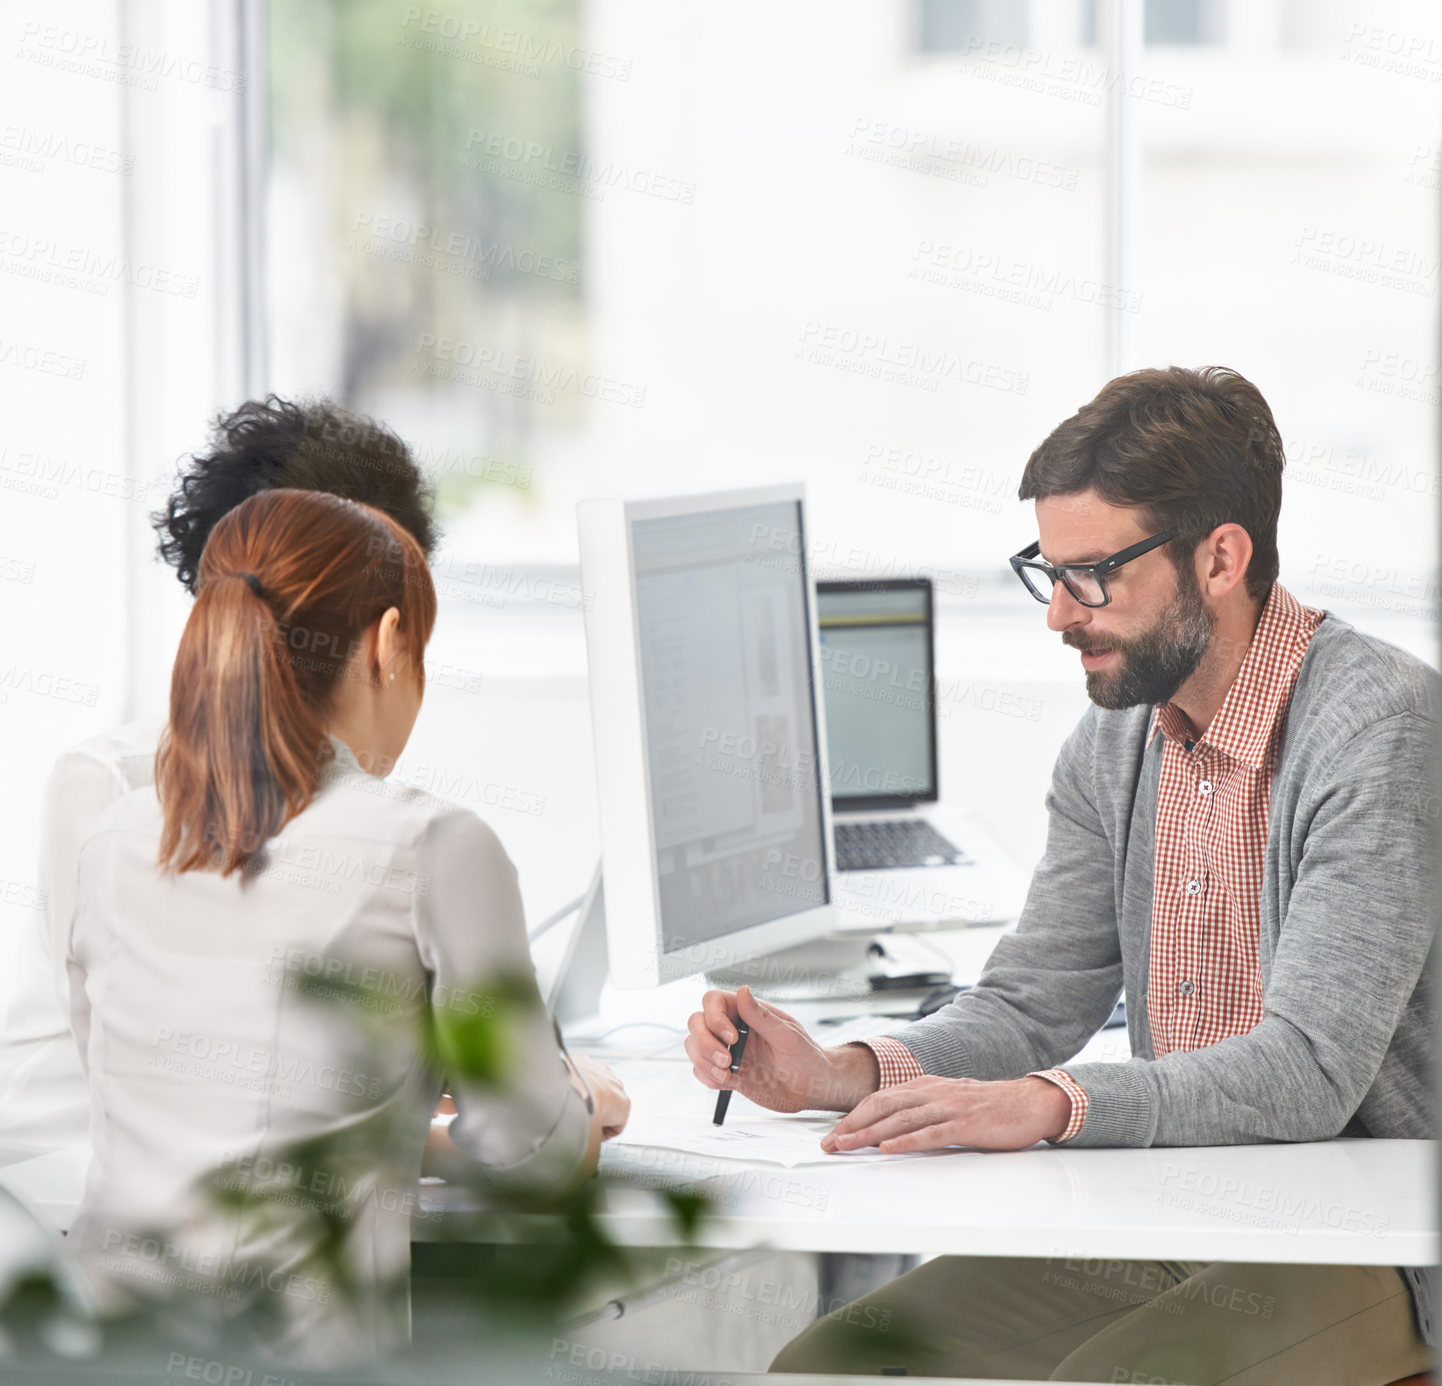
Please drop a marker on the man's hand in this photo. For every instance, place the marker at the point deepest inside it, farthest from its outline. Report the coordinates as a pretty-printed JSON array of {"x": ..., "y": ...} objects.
[
  {"x": 930, "y": 1113},
  {"x": 783, "y": 1067}
]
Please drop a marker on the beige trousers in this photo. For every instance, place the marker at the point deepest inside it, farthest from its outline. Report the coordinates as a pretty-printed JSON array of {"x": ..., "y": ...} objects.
[{"x": 1155, "y": 1323}]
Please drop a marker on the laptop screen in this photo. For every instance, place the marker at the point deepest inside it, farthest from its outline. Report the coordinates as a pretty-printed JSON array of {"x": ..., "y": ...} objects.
[{"x": 876, "y": 670}]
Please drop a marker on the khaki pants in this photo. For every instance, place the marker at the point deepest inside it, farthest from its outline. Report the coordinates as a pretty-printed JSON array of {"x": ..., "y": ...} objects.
[{"x": 1192, "y": 1323}]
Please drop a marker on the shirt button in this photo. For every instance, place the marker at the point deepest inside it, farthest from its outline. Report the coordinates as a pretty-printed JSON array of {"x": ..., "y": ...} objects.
[
  {"x": 1193, "y": 887},
  {"x": 1186, "y": 988},
  {"x": 1205, "y": 787}
]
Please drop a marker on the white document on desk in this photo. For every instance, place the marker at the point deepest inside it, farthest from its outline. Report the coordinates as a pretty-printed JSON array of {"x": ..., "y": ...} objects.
[{"x": 773, "y": 1140}]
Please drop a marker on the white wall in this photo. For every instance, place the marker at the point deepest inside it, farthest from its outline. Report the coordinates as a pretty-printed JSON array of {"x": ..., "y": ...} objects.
[{"x": 115, "y": 308}]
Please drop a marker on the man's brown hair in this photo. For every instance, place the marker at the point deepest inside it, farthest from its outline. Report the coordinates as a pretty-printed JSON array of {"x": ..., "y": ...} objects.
[{"x": 1190, "y": 449}]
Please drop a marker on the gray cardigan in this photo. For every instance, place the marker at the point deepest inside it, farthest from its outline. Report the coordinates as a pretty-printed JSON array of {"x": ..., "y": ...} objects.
[{"x": 1345, "y": 1043}]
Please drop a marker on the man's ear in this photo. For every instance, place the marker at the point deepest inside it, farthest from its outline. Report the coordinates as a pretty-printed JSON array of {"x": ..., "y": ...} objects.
[{"x": 1224, "y": 559}]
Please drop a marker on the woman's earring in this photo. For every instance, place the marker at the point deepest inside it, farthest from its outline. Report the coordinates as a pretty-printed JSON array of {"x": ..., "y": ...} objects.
[{"x": 393, "y": 678}]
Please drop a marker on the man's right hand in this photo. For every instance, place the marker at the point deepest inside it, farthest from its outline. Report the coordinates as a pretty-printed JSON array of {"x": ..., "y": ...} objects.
[{"x": 783, "y": 1067}]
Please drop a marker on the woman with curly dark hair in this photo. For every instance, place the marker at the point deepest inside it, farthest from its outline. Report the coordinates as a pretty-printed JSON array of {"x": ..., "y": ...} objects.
[{"x": 312, "y": 446}]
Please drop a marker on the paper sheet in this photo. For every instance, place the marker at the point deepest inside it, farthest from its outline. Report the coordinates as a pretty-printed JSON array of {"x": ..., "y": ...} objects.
[{"x": 773, "y": 1140}]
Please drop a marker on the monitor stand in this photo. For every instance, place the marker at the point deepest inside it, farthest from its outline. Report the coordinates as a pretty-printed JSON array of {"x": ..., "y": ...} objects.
[
  {"x": 838, "y": 967},
  {"x": 824, "y": 969}
]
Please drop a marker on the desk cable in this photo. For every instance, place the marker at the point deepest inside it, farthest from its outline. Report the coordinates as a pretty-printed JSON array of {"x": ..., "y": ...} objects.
[{"x": 551, "y": 920}]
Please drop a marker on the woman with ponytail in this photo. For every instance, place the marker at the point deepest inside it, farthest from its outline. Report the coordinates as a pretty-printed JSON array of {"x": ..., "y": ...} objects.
[{"x": 272, "y": 862}]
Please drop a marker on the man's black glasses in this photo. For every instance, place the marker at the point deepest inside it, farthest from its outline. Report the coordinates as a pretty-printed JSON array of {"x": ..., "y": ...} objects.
[{"x": 1085, "y": 581}]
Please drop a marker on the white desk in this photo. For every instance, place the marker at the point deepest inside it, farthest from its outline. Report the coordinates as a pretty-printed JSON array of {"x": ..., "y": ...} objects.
[
  {"x": 1341, "y": 1202},
  {"x": 1351, "y": 1202},
  {"x": 52, "y": 1184}
]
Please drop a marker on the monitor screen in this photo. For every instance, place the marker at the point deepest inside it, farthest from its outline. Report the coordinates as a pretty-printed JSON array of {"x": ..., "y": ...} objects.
[
  {"x": 876, "y": 664},
  {"x": 729, "y": 716}
]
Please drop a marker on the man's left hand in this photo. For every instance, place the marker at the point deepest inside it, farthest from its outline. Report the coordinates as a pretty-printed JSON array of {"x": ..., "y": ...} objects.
[{"x": 931, "y": 1113}]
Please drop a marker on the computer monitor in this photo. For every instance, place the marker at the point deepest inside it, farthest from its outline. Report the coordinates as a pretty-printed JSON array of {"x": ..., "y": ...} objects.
[
  {"x": 877, "y": 668},
  {"x": 708, "y": 724}
]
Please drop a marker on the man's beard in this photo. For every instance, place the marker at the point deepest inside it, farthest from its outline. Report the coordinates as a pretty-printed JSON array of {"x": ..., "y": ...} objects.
[{"x": 1155, "y": 665}]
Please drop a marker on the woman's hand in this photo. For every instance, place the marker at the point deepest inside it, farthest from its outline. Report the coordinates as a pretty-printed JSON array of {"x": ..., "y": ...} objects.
[
  {"x": 613, "y": 1106},
  {"x": 440, "y": 1151}
]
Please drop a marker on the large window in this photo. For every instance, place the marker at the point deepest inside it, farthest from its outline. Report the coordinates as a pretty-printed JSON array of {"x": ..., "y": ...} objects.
[
  {"x": 427, "y": 201},
  {"x": 575, "y": 246}
]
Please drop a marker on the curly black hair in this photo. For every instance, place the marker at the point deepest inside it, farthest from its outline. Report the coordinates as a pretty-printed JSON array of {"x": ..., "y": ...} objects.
[{"x": 314, "y": 445}]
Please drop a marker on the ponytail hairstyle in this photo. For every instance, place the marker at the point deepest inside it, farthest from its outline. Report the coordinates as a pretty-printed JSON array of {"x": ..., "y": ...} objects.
[{"x": 288, "y": 583}]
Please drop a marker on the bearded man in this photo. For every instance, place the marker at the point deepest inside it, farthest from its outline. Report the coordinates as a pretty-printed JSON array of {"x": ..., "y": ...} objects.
[{"x": 1239, "y": 842}]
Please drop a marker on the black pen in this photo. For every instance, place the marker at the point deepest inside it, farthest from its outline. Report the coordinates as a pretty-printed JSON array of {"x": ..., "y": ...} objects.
[{"x": 723, "y": 1099}]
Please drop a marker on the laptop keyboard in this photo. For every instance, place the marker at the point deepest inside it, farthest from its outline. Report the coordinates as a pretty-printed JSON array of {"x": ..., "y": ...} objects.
[{"x": 885, "y": 843}]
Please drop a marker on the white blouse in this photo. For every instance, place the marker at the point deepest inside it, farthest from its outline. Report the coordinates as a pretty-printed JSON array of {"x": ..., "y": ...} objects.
[{"x": 209, "y": 1063}]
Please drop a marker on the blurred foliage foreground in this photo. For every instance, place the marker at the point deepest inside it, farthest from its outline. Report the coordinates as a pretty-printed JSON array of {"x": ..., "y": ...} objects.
[{"x": 517, "y": 1261}]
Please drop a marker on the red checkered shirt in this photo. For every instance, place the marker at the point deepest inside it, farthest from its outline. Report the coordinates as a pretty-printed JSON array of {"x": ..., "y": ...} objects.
[{"x": 1203, "y": 983}]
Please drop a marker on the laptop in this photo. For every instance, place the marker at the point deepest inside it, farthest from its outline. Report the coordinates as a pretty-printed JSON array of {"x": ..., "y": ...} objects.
[{"x": 903, "y": 856}]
